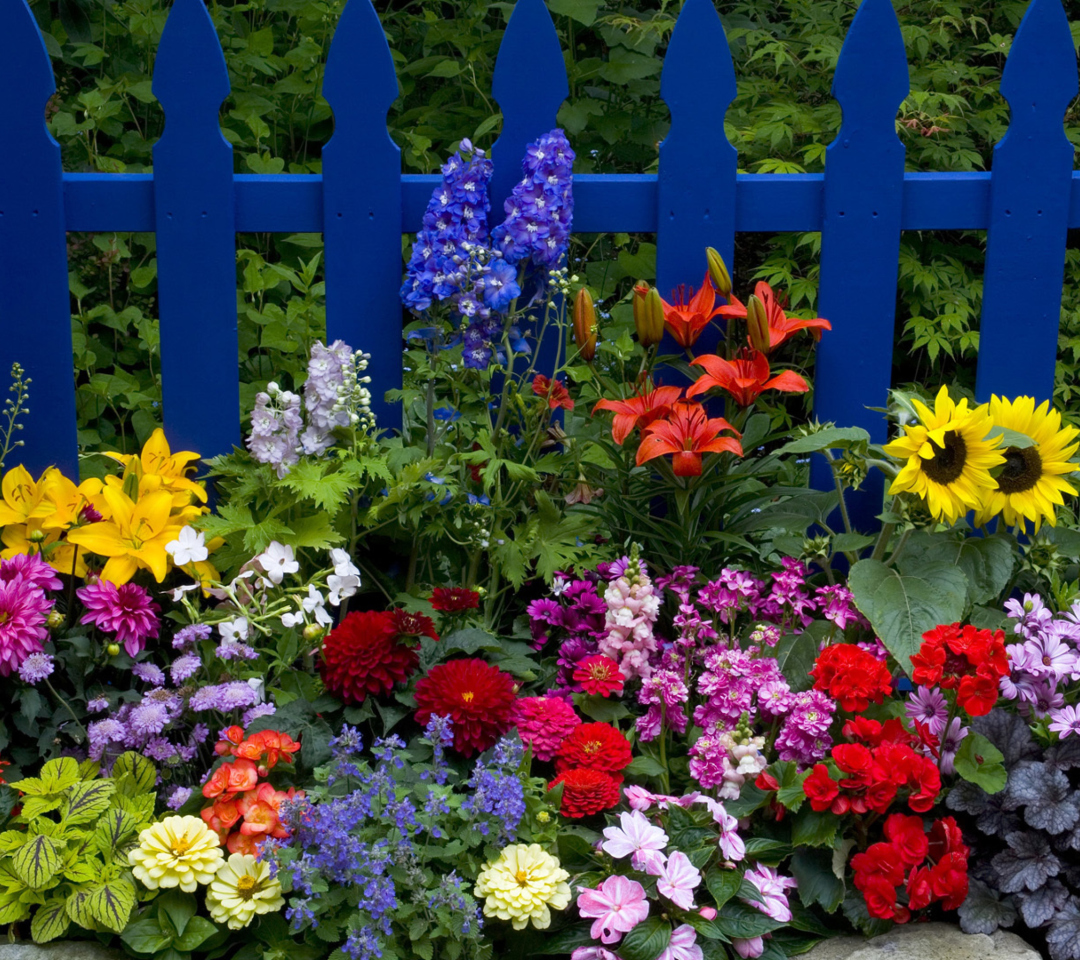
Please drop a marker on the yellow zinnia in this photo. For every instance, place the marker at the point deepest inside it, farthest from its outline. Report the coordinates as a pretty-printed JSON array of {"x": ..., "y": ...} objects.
[
  {"x": 176, "y": 852},
  {"x": 522, "y": 884},
  {"x": 1030, "y": 485},
  {"x": 948, "y": 457},
  {"x": 241, "y": 889}
]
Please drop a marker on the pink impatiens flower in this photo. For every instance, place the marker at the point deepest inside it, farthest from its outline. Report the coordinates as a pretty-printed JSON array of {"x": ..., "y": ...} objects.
[
  {"x": 637, "y": 838},
  {"x": 773, "y": 889},
  {"x": 748, "y": 948},
  {"x": 126, "y": 610},
  {"x": 616, "y": 906},
  {"x": 677, "y": 879},
  {"x": 682, "y": 945}
]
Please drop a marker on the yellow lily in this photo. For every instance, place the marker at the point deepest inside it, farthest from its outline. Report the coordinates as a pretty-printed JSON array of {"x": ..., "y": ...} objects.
[
  {"x": 135, "y": 536},
  {"x": 158, "y": 460},
  {"x": 23, "y": 498},
  {"x": 67, "y": 499},
  {"x": 59, "y": 554}
]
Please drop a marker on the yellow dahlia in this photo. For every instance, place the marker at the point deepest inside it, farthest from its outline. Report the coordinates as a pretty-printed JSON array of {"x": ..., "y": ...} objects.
[
  {"x": 1030, "y": 484},
  {"x": 176, "y": 852},
  {"x": 948, "y": 457},
  {"x": 522, "y": 884},
  {"x": 241, "y": 889}
]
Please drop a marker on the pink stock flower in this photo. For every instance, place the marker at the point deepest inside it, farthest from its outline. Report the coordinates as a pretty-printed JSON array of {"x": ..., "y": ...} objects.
[
  {"x": 616, "y": 906},
  {"x": 682, "y": 945},
  {"x": 126, "y": 610},
  {"x": 637, "y": 838},
  {"x": 23, "y": 609},
  {"x": 677, "y": 879}
]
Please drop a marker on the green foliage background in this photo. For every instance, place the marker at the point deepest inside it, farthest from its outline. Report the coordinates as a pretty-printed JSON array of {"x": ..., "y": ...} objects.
[{"x": 785, "y": 53}]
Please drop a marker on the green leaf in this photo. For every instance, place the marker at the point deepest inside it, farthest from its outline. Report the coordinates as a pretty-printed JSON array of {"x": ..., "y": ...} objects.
[
  {"x": 817, "y": 882},
  {"x": 145, "y": 936},
  {"x": 795, "y": 655},
  {"x": 987, "y": 562},
  {"x": 600, "y": 709},
  {"x": 113, "y": 829},
  {"x": 643, "y": 767},
  {"x": 723, "y": 884},
  {"x": 57, "y": 775},
  {"x": 813, "y": 829},
  {"x": 77, "y": 906},
  {"x": 50, "y": 921},
  {"x": 902, "y": 607},
  {"x": 647, "y": 940},
  {"x": 848, "y": 542},
  {"x": 198, "y": 931},
  {"x": 180, "y": 907},
  {"x": 134, "y": 774},
  {"x": 111, "y": 904},
  {"x": 85, "y": 802},
  {"x": 978, "y": 761},
  {"x": 767, "y": 850},
  {"x": 738, "y": 920},
  {"x": 827, "y": 438},
  {"x": 37, "y": 862},
  {"x": 583, "y": 11},
  {"x": 1010, "y": 438},
  {"x": 316, "y": 532}
]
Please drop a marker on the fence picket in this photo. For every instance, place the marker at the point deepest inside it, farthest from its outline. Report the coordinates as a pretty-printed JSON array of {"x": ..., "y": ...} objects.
[
  {"x": 195, "y": 221},
  {"x": 1030, "y": 185},
  {"x": 35, "y": 310},
  {"x": 860, "y": 235},
  {"x": 696, "y": 184},
  {"x": 362, "y": 203}
]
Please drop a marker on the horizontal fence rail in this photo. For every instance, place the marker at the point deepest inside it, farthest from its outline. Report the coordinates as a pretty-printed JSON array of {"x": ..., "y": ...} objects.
[{"x": 362, "y": 203}]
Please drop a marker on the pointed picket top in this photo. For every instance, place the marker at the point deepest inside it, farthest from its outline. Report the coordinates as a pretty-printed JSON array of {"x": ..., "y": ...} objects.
[
  {"x": 1041, "y": 71},
  {"x": 360, "y": 83},
  {"x": 530, "y": 85},
  {"x": 25, "y": 68},
  {"x": 698, "y": 72},
  {"x": 191, "y": 80},
  {"x": 871, "y": 79}
]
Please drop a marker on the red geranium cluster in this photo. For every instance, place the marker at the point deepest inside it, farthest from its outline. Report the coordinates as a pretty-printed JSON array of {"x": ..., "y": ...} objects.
[
  {"x": 478, "y": 698},
  {"x": 867, "y": 775},
  {"x": 935, "y": 866},
  {"x": 589, "y": 764},
  {"x": 851, "y": 676},
  {"x": 966, "y": 660},
  {"x": 239, "y": 797}
]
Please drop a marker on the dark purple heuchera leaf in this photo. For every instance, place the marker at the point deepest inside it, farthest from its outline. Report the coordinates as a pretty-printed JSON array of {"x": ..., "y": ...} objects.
[
  {"x": 1063, "y": 937},
  {"x": 1010, "y": 734},
  {"x": 1045, "y": 794},
  {"x": 1027, "y": 780},
  {"x": 1027, "y": 864},
  {"x": 984, "y": 910},
  {"x": 1064, "y": 755},
  {"x": 966, "y": 797},
  {"x": 1066, "y": 842},
  {"x": 994, "y": 821},
  {"x": 1041, "y": 906}
]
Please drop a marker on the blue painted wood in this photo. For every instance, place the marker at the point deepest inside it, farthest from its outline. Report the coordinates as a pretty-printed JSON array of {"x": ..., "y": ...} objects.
[
  {"x": 362, "y": 203},
  {"x": 194, "y": 216},
  {"x": 860, "y": 236},
  {"x": 35, "y": 312},
  {"x": 696, "y": 184},
  {"x": 1030, "y": 188}
]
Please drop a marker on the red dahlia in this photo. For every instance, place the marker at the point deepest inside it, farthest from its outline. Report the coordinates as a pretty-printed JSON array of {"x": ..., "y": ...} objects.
[
  {"x": 362, "y": 656},
  {"x": 454, "y": 599},
  {"x": 586, "y": 792},
  {"x": 851, "y": 676},
  {"x": 478, "y": 697},
  {"x": 599, "y": 675},
  {"x": 598, "y": 746},
  {"x": 413, "y": 624}
]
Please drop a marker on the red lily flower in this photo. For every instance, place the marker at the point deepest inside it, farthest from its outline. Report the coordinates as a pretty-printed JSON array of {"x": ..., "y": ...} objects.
[
  {"x": 686, "y": 319},
  {"x": 781, "y": 326},
  {"x": 745, "y": 378},
  {"x": 554, "y": 390},
  {"x": 687, "y": 433},
  {"x": 640, "y": 410}
]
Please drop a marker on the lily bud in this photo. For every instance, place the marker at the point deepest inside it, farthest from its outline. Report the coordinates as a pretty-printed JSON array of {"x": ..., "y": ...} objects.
[
  {"x": 718, "y": 271},
  {"x": 648, "y": 315},
  {"x": 757, "y": 325},
  {"x": 585, "y": 325}
]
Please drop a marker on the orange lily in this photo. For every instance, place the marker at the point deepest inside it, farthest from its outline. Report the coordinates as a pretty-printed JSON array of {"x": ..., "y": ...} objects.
[
  {"x": 687, "y": 433},
  {"x": 745, "y": 378},
  {"x": 686, "y": 319},
  {"x": 640, "y": 410},
  {"x": 781, "y": 326}
]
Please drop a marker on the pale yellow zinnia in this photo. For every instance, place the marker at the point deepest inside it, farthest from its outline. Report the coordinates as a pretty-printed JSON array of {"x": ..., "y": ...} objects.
[
  {"x": 176, "y": 852},
  {"x": 243, "y": 888},
  {"x": 524, "y": 884}
]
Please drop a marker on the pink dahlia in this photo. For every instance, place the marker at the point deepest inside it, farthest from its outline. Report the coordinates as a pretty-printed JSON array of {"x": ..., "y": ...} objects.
[
  {"x": 31, "y": 568},
  {"x": 544, "y": 722},
  {"x": 126, "y": 610},
  {"x": 23, "y": 609}
]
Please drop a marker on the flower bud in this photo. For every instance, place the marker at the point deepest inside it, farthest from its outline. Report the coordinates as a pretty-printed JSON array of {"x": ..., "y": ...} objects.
[
  {"x": 718, "y": 271},
  {"x": 757, "y": 325},
  {"x": 313, "y": 632},
  {"x": 585, "y": 325},
  {"x": 648, "y": 315},
  {"x": 36, "y": 536},
  {"x": 113, "y": 649},
  {"x": 55, "y": 619}
]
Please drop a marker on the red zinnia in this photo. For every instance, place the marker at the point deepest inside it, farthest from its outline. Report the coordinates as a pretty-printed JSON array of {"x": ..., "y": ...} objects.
[
  {"x": 454, "y": 599},
  {"x": 598, "y": 746},
  {"x": 599, "y": 675},
  {"x": 851, "y": 676},
  {"x": 555, "y": 391},
  {"x": 362, "y": 656},
  {"x": 586, "y": 791},
  {"x": 478, "y": 697}
]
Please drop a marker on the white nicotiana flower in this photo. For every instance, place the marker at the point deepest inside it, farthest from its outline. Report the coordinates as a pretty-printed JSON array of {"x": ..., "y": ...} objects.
[
  {"x": 180, "y": 591},
  {"x": 235, "y": 630},
  {"x": 188, "y": 547},
  {"x": 341, "y": 587},
  {"x": 277, "y": 561},
  {"x": 257, "y": 685},
  {"x": 315, "y": 604},
  {"x": 343, "y": 565},
  {"x": 292, "y": 619}
]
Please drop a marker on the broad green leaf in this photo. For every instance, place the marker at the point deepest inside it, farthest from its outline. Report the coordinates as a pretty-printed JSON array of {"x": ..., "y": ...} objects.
[
  {"x": 817, "y": 882},
  {"x": 82, "y": 869},
  {"x": 583, "y": 11},
  {"x": 601, "y": 709},
  {"x": 34, "y": 807},
  {"x": 828, "y": 437},
  {"x": 1010, "y": 438},
  {"x": 846, "y": 542},
  {"x": 111, "y": 904},
  {"x": 723, "y": 884},
  {"x": 12, "y": 909},
  {"x": 180, "y": 908},
  {"x": 643, "y": 767},
  {"x": 11, "y": 840},
  {"x": 50, "y": 921},
  {"x": 85, "y": 802},
  {"x": 736, "y": 919},
  {"x": 988, "y": 562},
  {"x": 902, "y": 607},
  {"x": 795, "y": 655},
  {"x": 813, "y": 829},
  {"x": 647, "y": 940},
  {"x": 37, "y": 862},
  {"x": 767, "y": 850},
  {"x": 978, "y": 761},
  {"x": 31, "y": 786},
  {"x": 134, "y": 774},
  {"x": 78, "y": 908},
  {"x": 113, "y": 829},
  {"x": 57, "y": 775},
  {"x": 145, "y": 936},
  {"x": 198, "y": 931}
]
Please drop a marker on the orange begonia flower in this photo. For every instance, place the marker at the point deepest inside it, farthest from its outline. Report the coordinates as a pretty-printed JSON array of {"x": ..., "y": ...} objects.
[
  {"x": 781, "y": 326},
  {"x": 687, "y": 433},
  {"x": 745, "y": 378},
  {"x": 640, "y": 410},
  {"x": 685, "y": 319}
]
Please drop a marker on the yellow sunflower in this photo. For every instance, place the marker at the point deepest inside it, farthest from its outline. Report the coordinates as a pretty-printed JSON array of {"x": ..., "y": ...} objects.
[
  {"x": 1030, "y": 485},
  {"x": 948, "y": 457}
]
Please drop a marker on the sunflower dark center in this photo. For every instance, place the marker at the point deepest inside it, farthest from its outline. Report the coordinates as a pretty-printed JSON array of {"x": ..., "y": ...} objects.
[
  {"x": 948, "y": 461},
  {"x": 1023, "y": 469}
]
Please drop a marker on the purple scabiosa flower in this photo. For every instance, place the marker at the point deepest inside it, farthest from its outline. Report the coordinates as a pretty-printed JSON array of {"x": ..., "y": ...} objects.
[
  {"x": 102, "y": 734},
  {"x": 178, "y": 797},
  {"x": 184, "y": 667},
  {"x": 275, "y": 429},
  {"x": 31, "y": 568},
  {"x": 148, "y": 718},
  {"x": 232, "y": 649},
  {"x": 223, "y": 697},
  {"x": 36, "y": 668},
  {"x": 23, "y": 612},
  {"x": 927, "y": 705},
  {"x": 259, "y": 710},
  {"x": 160, "y": 749},
  {"x": 97, "y": 704},
  {"x": 126, "y": 611},
  {"x": 188, "y": 636},
  {"x": 199, "y": 733},
  {"x": 149, "y": 673}
]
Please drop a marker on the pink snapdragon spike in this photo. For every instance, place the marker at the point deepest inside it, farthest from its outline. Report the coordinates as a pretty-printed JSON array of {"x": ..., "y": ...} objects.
[
  {"x": 636, "y": 838},
  {"x": 616, "y": 906},
  {"x": 677, "y": 879},
  {"x": 682, "y": 945}
]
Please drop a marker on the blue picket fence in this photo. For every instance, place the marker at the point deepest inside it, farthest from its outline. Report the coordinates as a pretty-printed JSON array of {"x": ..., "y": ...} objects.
[{"x": 362, "y": 203}]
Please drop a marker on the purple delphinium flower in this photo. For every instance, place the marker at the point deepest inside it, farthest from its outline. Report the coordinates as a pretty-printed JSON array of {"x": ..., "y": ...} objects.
[
  {"x": 36, "y": 668},
  {"x": 928, "y": 705},
  {"x": 126, "y": 611},
  {"x": 275, "y": 429},
  {"x": 328, "y": 389}
]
